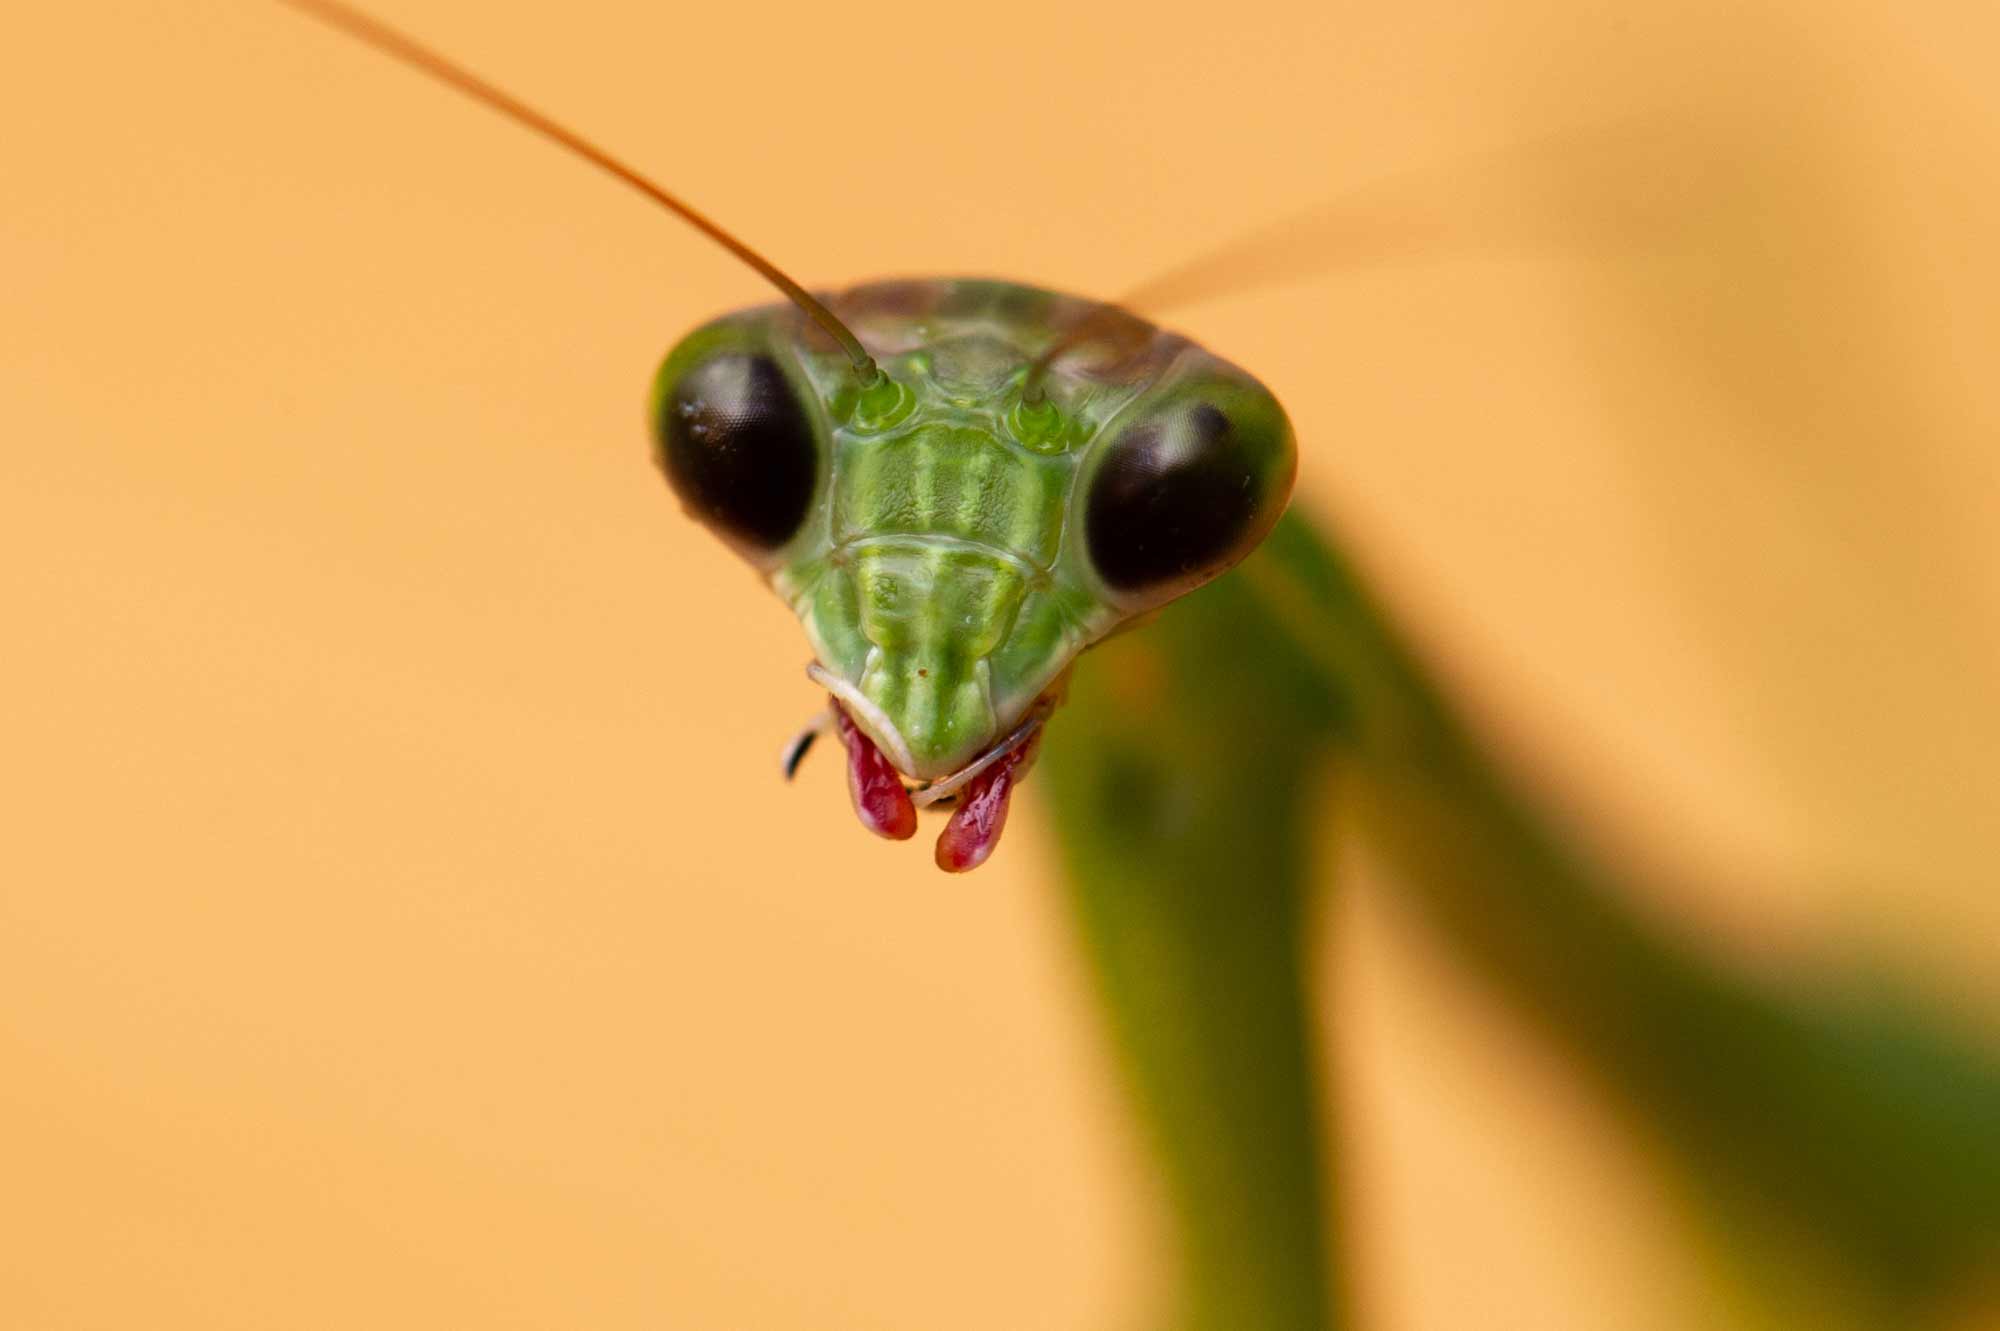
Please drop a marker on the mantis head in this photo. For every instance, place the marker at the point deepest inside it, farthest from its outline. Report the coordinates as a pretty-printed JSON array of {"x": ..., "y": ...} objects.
[{"x": 1025, "y": 474}]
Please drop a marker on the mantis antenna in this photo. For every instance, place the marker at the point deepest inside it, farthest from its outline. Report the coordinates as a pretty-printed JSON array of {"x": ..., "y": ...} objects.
[
  {"x": 1459, "y": 207},
  {"x": 417, "y": 56}
]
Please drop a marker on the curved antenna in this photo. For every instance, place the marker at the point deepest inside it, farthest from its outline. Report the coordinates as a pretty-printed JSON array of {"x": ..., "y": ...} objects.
[
  {"x": 1467, "y": 207},
  {"x": 417, "y": 56}
]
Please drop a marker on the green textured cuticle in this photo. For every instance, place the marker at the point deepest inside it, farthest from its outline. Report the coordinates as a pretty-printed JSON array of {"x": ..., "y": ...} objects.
[
  {"x": 1037, "y": 425},
  {"x": 885, "y": 403}
]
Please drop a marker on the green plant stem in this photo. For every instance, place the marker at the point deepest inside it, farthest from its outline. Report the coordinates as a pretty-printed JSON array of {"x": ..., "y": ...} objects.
[
  {"x": 1184, "y": 781},
  {"x": 1185, "y": 826}
]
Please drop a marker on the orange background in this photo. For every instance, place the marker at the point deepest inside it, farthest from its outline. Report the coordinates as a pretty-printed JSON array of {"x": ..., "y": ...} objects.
[{"x": 401, "y": 921}]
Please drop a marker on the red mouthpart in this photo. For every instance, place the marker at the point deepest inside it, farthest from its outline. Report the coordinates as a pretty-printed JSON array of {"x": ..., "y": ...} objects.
[
  {"x": 880, "y": 801},
  {"x": 981, "y": 815}
]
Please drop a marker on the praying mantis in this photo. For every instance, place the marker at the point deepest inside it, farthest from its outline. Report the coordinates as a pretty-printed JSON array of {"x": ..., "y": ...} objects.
[
  {"x": 966, "y": 490},
  {"x": 957, "y": 485}
]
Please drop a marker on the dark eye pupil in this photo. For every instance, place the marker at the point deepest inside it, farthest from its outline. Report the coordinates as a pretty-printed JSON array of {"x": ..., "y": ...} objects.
[
  {"x": 738, "y": 449},
  {"x": 1171, "y": 501}
]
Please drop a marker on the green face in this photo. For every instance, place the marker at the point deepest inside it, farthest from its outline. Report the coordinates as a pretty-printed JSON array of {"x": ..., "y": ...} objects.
[{"x": 948, "y": 546}]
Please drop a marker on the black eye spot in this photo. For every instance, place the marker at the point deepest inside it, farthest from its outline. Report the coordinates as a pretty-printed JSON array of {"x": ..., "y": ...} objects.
[
  {"x": 738, "y": 448},
  {"x": 1171, "y": 502}
]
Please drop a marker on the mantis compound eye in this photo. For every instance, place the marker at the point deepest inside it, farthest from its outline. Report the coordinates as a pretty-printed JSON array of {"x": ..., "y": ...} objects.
[
  {"x": 1180, "y": 496},
  {"x": 738, "y": 448}
]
